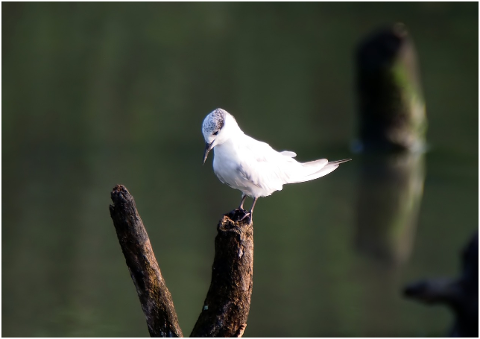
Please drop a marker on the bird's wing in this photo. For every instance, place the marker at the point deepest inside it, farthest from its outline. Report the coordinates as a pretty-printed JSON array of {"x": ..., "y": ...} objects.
[
  {"x": 270, "y": 170},
  {"x": 264, "y": 167}
]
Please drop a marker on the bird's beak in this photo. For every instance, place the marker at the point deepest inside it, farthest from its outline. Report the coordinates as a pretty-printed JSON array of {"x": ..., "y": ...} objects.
[{"x": 208, "y": 148}]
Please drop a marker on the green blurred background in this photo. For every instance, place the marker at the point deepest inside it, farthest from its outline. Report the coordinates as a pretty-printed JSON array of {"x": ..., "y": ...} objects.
[{"x": 97, "y": 94}]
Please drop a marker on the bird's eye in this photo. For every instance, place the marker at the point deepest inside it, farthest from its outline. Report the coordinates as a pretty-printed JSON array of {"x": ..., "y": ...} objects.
[{"x": 215, "y": 133}]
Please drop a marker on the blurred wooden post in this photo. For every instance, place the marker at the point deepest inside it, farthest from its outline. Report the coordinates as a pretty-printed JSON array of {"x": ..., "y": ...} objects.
[
  {"x": 390, "y": 100},
  {"x": 226, "y": 307}
]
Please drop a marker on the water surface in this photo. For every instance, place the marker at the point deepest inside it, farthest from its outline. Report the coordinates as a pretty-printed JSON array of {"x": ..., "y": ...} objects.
[{"x": 100, "y": 94}]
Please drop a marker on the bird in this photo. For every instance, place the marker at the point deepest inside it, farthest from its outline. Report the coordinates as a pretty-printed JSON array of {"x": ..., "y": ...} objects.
[{"x": 253, "y": 166}]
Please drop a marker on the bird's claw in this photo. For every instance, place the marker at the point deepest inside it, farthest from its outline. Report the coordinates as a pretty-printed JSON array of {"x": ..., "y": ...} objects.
[
  {"x": 246, "y": 214},
  {"x": 239, "y": 215}
]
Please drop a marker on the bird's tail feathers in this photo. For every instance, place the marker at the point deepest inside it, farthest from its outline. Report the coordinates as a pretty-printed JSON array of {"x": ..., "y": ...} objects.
[{"x": 318, "y": 168}]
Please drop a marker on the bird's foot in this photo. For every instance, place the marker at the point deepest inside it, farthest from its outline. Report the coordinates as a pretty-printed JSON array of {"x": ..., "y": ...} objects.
[
  {"x": 246, "y": 215},
  {"x": 238, "y": 215}
]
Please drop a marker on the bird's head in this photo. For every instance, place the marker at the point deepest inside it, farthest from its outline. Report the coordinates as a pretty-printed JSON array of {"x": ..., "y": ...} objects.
[{"x": 212, "y": 129}]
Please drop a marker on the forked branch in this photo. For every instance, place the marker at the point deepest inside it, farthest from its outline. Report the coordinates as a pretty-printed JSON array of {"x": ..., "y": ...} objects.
[{"x": 226, "y": 307}]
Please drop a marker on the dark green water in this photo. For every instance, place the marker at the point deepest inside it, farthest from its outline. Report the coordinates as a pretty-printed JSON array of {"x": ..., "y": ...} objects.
[{"x": 100, "y": 94}]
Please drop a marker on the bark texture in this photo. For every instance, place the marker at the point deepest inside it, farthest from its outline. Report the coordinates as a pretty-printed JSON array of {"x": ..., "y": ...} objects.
[
  {"x": 155, "y": 298},
  {"x": 226, "y": 307}
]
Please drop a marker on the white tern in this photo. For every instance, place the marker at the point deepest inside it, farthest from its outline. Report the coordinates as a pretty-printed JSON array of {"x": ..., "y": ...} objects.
[{"x": 252, "y": 166}]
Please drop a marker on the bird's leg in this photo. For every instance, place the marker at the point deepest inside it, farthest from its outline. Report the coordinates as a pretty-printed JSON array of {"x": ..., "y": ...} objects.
[
  {"x": 244, "y": 196},
  {"x": 253, "y": 205},
  {"x": 250, "y": 214}
]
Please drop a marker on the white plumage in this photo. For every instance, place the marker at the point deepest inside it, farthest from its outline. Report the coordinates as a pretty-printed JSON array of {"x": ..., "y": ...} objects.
[{"x": 252, "y": 166}]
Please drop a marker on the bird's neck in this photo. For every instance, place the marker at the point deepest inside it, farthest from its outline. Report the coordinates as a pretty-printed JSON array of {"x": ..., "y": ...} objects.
[
  {"x": 231, "y": 126},
  {"x": 231, "y": 144},
  {"x": 232, "y": 132}
]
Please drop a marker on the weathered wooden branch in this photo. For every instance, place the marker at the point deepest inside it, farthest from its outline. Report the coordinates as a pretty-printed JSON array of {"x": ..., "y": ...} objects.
[
  {"x": 227, "y": 304},
  {"x": 226, "y": 307},
  {"x": 155, "y": 298}
]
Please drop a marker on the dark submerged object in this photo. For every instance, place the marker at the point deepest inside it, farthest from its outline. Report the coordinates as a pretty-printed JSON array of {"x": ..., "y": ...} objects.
[{"x": 460, "y": 294}]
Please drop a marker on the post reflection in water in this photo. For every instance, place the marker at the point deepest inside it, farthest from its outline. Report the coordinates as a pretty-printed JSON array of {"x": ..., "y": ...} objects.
[{"x": 390, "y": 189}]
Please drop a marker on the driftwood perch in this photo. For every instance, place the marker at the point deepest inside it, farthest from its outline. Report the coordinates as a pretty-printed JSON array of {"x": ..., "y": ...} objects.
[{"x": 226, "y": 307}]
